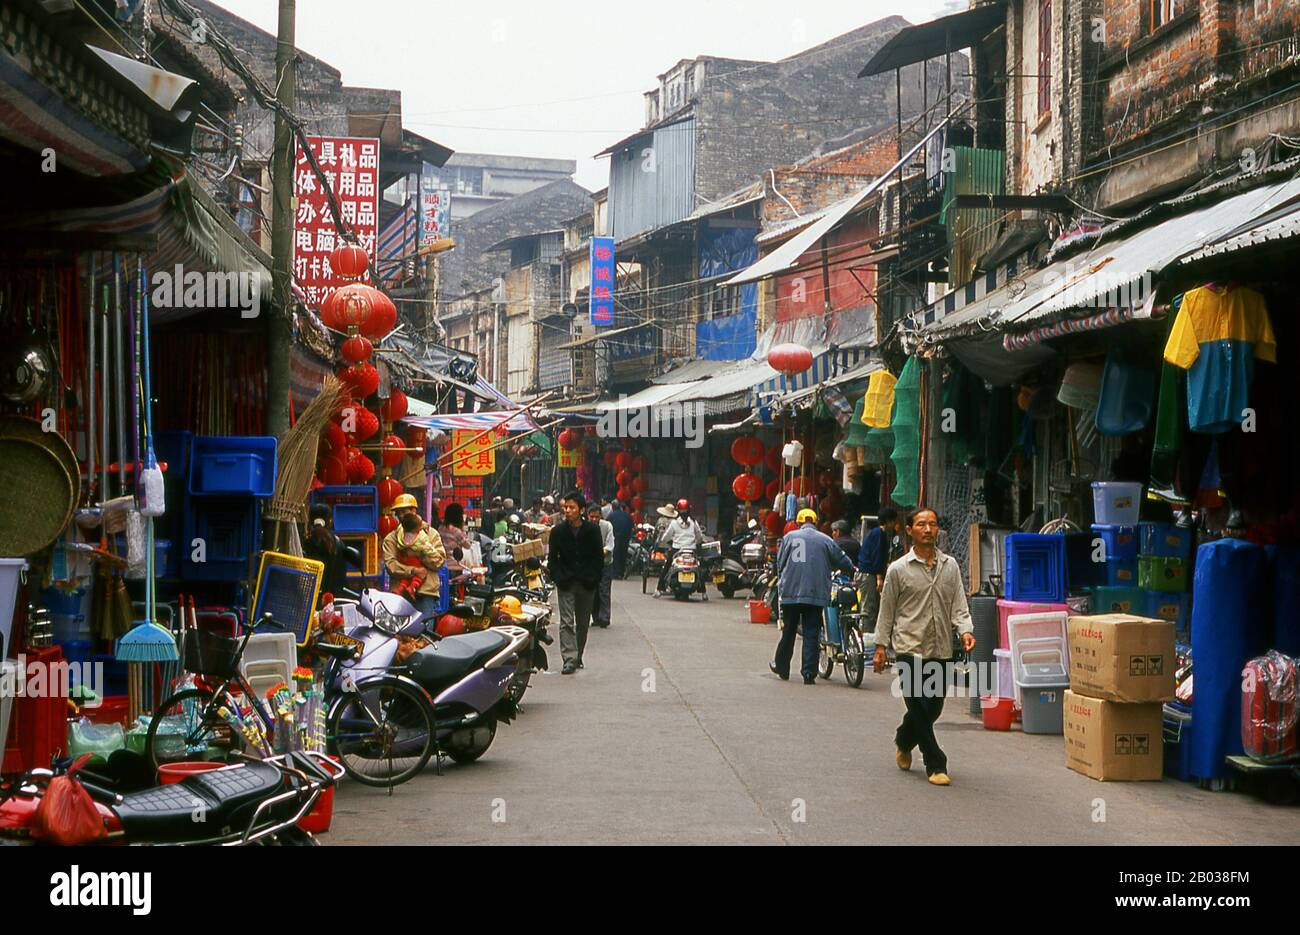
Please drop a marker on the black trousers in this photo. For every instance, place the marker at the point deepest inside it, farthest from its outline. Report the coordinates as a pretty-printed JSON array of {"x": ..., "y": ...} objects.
[
  {"x": 795, "y": 617},
  {"x": 923, "y": 694}
]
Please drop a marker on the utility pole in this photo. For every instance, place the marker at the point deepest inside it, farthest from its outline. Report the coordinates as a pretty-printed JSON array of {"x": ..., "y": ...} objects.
[{"x": 279, "y": 335}]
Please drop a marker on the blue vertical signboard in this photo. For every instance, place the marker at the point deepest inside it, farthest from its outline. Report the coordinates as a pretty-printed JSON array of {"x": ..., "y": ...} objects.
[{"x": 602, "y": 281}]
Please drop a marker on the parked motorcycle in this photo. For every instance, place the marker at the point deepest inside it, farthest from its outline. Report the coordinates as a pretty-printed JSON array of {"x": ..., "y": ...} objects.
[
  {"x": 741, "y": 561},
  {"x": 686, "y": 576},
  {"x": 653, "y": 566},
  {"x": 464, "y": 679},
  {"x": 638, "y": 549},
  {"x": 842, "y": 639},
  {"x": 486, "y": 604},
  {"x": 251, "y": 802}
]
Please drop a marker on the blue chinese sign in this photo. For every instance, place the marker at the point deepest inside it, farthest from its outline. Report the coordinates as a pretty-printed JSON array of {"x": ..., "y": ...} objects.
[{"x": 602, "y": 281}]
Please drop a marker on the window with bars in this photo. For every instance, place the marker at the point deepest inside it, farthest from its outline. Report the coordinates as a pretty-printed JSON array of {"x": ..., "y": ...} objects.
[
  {"x": 1161, "y": 12},
  {"x": 1044, "y": 56}
]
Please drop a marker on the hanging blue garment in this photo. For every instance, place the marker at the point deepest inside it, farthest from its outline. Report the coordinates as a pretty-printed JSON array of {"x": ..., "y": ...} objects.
[
  {"x": 1230, "y": 625},
  {"x": 1128, "y": 389},
  {"x": 1284, "y": 568}
]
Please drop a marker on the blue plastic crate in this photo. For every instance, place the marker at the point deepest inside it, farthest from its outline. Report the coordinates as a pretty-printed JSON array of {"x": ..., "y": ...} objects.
[
  {"x": 1121, "y": 574},
  {"x": 233, "y": 464},
  {"x": 1121, "y": 542},
  {"x": 1081, "y": 572},
  {"x": 231, "y": 530},
  {"x": 1165, "y": 540},
  {"x": 1163, "y": 605},
  {"x": 174, "y": 448},
  {"x": 1035, "y": 567},
  {"x": 355, "y": 506}
]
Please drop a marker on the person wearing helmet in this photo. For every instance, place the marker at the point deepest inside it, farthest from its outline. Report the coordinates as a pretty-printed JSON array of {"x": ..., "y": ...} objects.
[
  {"x": 804, "y": 563},
  {"x": 413, "y": 553},
  {"x": 682, "y": 532}
]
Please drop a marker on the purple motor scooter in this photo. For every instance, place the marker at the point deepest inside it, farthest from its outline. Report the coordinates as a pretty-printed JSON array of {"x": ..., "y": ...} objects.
[{"x": 462, "y": 682}]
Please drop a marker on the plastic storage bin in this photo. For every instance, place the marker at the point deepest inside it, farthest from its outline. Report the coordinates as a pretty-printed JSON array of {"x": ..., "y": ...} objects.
[
  {"x": 1121, "y": 542},
  {"x": 1042, "y": 708},
  {"x": 233, "y": 464},
  {"x": 355, "y": 507},
  {"x": 1035, "y": 567},
  {"x": 1164, "y": 539},
  {"x": 231, "y": 531},
  {"x": 1161, "y": 605},
  {"x": 1107, "y": 600},
  {"x": 1122, "y": 573},
  {"x": 1004, "y": 683},
  {"x": 1041, "y": 669},
  {"x": 39, "y": 725},
  {"x": 1156, "y": 573},
  {"x": 1116, "y": 503},
  {"x": 1008, "y": 608},
  {"x": 11, "y": 570},
  {"x": 1047, "y": 625}
]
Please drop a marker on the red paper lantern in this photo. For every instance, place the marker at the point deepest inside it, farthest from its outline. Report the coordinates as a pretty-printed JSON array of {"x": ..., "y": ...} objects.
[
  {"x": 623, "y": 477},
  {"x": 639, "y": 463},
  {"x": 364, "y": 425},
  {"x": 353, "y": 306},
  {"x": 774, "y": 521},
  {"x": 349, "y": 261},
  {"x": 747, "y": 487},
  {"x": 639, "y": 484},
  {"x": 621, "y": 460},
  {"x": 747, "y": 450},
  {"x": 624, "y": 494},
  {"x": 773, "y": 459},
  {"x": 394, "y": 407},
  {"x": 790, "y": 358},
  {"x": 389, "y": 490},
  {"x": 329, "y": 314},
  {"x": 569, "y": 439},
  {"x": 356, "y": 349},
  {"x": 387, "y": 523},
  {"x": 636, "y": 503},
  {"x": 360, "y": 468},
  {"x": 361, "y": 379},
  {"x": 333, "y": 470},
  {"x": 393, "y": 453},
  {"x": 772, "y": 489},
  {"x": 383, "y": 318},
  {"x": 333, "y": 437},
  {"x": 799, "y": 486}
]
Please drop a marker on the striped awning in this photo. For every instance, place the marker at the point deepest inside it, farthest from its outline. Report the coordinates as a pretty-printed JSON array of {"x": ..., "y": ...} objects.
[
  {"x": 449, "y": 421},
  {"x": 825, "y": 367}
]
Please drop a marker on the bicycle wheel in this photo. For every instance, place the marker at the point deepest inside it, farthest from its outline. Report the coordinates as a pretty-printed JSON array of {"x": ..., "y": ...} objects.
[
  {"x": 184, "y": 726},
  {"x": 855, "y": 659},
  {"x": 825, "y": 663},
  {"x": 383, "y": 732}
]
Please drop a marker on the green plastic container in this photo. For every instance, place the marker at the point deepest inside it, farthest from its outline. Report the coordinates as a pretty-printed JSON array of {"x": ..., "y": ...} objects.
[
  {"x": 1158, "y": 573},
  {"x": 1112, "y": 600}
]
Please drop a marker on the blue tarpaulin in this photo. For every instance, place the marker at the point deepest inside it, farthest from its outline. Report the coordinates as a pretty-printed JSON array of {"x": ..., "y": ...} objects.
[
  {"x": 726, "y": 250},
  {"x": 731, "y": 337}
]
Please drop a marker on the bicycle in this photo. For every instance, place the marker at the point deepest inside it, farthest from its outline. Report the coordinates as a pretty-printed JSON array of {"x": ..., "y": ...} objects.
[{"x": 390, "y": 723}]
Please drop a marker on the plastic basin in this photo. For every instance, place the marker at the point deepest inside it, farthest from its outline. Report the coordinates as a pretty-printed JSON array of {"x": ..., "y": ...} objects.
[{"x": 170, "y": 773}]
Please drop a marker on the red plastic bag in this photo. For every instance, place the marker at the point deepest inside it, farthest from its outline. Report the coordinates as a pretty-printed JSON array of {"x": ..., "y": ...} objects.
[{"x": 67, "y": 815}]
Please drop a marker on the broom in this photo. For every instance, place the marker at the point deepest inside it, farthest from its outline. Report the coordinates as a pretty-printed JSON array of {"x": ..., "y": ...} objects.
[{"x": 297, "y": 454}]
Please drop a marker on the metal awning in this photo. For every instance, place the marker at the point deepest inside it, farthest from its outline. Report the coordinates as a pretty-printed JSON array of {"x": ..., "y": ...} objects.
[
  {"x": 593, "y": 338},
  {"x": 646, "y": 398},
  {"x": 1278, "y": 225},
  {"x": 914, "y": 44},
  {"x": 788, "y": 254}
]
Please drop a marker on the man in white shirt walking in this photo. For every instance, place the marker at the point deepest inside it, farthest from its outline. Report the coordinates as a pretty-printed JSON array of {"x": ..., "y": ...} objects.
[{"x": 922, "y": 602}]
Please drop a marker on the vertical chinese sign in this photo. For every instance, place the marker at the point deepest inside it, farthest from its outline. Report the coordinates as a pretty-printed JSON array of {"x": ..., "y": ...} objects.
[
  {"x": 351, "y": 167},
  {"x": 477, "y": 458},
  {"x": 435, "y": 215},
  {"x": 570, "y": 457},
  {"x": 602, "y": 281}
]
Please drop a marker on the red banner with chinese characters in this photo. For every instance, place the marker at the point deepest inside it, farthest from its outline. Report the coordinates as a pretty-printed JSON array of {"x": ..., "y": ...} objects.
[{"x": 351, "y": 167}]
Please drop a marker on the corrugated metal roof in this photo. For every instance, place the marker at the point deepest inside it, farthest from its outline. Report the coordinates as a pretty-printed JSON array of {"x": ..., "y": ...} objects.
[{"x": 1282, "y": 224}]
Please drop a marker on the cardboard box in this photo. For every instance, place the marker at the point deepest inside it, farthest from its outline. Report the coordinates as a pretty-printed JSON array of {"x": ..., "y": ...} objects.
[
  {"x": 1114, "y": 741},
  {"x": 1120, "y": 657}
]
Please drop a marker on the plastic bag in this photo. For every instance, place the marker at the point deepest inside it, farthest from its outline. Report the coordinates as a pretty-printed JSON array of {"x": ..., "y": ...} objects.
[
  {"x": 1269, "y": 711},
  {"x": 92, "y": 739},
  {"x": 67, "y": 815}
]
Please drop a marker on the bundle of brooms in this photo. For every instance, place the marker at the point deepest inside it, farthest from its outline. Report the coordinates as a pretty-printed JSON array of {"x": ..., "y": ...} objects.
[{"x": 297, "y": 452}]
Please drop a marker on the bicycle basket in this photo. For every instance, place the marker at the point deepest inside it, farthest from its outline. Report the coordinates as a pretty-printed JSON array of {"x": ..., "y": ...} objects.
[{"x": 210, "y": 654}]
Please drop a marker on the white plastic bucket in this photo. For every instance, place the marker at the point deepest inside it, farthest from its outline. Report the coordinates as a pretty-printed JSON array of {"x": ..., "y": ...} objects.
[{"x": 11, "y": 570}]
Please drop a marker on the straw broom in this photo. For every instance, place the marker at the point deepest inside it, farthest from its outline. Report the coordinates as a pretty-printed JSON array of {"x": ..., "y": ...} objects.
[{"x": 296, "y": 453}]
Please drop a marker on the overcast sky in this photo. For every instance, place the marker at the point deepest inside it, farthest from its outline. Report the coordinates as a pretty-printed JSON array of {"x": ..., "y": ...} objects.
[{"x": 563, "y": 79}]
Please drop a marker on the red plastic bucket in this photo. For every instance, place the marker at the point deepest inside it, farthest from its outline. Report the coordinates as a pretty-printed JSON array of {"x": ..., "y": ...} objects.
[
  {"x": 170, "y": 773},
  {"x": 318, "y": 820},
  {"x": 759, "y": 612},
  {"x": 998, "y": 712}
]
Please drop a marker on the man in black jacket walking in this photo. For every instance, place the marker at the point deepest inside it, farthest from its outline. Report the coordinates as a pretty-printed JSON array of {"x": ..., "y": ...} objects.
[{"x": 577, "y": 560}]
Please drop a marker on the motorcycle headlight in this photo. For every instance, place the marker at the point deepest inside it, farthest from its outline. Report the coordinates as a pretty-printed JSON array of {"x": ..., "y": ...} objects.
[{"x": 388, "y": 622}]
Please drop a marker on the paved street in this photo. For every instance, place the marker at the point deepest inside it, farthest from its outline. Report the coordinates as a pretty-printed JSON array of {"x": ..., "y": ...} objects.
[{"x": 720, "y": 751}]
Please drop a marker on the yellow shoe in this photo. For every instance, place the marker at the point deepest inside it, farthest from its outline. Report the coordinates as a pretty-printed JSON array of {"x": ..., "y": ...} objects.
[
  {"x": 940, "y": 779},
  {"x": 904, "y": 760}
]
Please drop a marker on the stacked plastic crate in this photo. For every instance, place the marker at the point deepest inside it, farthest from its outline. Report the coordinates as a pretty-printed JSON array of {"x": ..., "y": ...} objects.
[
  {"x": 228, "y": 475},
  {"x": 1164, "y": 573},
  {"x": 355, "y": 508}
]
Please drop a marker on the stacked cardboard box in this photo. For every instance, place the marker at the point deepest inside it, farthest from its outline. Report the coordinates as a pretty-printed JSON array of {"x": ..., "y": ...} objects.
[{"x": 1121, "y": 672}]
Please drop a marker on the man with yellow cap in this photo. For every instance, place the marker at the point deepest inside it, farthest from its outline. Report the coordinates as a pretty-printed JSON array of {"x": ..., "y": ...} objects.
[
  {"x": 804, "y": 563},
  {"x": 413, "y": 553}
]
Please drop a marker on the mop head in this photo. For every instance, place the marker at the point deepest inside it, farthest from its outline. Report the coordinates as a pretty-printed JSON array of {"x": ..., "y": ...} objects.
[{"x": 147, "y": 642}]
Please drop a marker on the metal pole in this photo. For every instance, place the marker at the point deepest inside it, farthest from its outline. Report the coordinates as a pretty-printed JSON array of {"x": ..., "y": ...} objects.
[
  {"x": 119, "y": 375},
  {"x": 103, "y": 392},
  {"x": 279, "y": 338}
]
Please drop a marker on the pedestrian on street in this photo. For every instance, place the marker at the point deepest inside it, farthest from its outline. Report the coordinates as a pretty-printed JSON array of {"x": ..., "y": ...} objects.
[
  {"x": 621, "y": 520},
  {"x": 413, "y": 553},
  {"x": 922, "y": 602},
  {"x": 576, "y": 562},
  {"x": 840, "y": 532},
  {"x": 601, "y": 612},
  {"x": 804, "y": 562},
  {"x": 873, "y": 560}
]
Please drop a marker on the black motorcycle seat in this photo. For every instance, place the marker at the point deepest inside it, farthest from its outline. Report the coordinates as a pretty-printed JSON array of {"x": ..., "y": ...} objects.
[
  {"x": 205, "y": 805},
  {"x": 453, "y": 657}
]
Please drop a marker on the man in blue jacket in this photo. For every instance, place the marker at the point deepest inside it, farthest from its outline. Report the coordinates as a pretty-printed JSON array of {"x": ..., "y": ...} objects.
[{"x": 804, "y": 563}]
